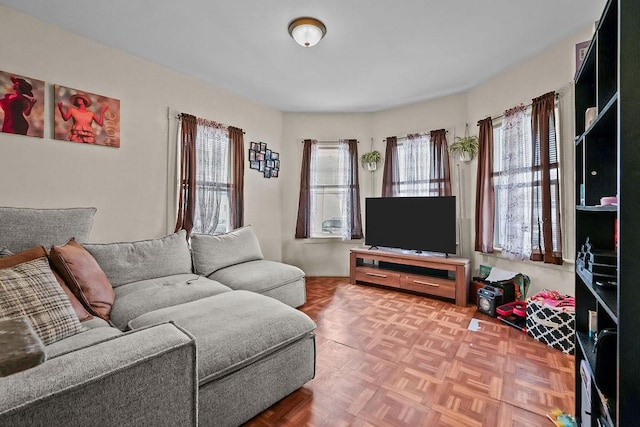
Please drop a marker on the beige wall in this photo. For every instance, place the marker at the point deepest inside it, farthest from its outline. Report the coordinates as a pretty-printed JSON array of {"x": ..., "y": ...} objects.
[
  {"x": 129, "y": 185},
  {"x": 448, "y": 113},
  {"x": 330, "y": 257},
  {"x": 317, "y": 257},
  {"x": 552, "y": 69}
]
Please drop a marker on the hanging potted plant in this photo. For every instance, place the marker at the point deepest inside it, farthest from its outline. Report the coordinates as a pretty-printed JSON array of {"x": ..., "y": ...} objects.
[
  {"x": 371, "y": 159},
  {"x": 466, "y": 147}
]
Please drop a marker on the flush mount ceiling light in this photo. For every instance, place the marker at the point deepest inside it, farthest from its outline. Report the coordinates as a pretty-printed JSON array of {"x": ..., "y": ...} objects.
[{"x": 307, "y": 31}]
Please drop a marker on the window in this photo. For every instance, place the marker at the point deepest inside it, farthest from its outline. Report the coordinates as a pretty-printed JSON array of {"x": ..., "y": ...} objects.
[
  {"x": 213, "y": 174},
  {"x": 210, "y": 176},
  {"x": 419, "y": 166},
  {"x": 517, "y": 184},
  {"x": 329, "y": 192},
  {"x": 414, "y": 158},
  {"x": 329, "y": 189}
]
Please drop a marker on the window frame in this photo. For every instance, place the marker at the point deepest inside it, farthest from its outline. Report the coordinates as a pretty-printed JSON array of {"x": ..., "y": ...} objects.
[
  {"x": 400, "y": 155},
  {"x": 427, "y": 181},
  {"x": 326, "y": 189},
  {"x": 497, "y": 125},
  {"x": 224, "y": 220}
]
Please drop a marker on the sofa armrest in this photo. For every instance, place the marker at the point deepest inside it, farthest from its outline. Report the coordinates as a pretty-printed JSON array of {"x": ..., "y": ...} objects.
[{"x": 144, "y": 377}]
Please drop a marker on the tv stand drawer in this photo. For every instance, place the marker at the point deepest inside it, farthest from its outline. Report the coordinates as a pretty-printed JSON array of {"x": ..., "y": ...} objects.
[
  {"x": 429, "y": 285},
  {"x": 378, "y": 276}
]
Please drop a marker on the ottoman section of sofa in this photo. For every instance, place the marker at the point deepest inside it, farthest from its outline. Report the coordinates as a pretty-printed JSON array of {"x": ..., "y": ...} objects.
[
  {"x": 283, "y": 282},
  {"x": 248, "y": 345},
  {"x": 137, "y": 298}
]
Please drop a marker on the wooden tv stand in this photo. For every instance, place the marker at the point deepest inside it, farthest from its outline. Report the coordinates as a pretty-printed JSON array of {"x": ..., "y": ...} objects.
[{"x": 429, "y": 275}]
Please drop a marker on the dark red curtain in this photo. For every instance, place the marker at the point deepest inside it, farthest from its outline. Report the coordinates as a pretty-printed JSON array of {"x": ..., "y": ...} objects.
[
  {"x": 545, "y": 221},
  {"x": 390, "y": 172},
  {"x": 354, "y": 191},
  {"x": 187, "y": 190},
  {"x": 303, "y": 224},
  {"x": 236, "y": 139},
  {"x": 439, "y": 171},
  {"x": 485, "y": 196}
]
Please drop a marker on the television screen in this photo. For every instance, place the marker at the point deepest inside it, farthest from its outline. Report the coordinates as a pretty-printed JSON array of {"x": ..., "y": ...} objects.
[{"x": 413, "y": 223}]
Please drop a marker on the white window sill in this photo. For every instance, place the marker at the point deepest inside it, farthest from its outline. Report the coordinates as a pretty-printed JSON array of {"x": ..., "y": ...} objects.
[
  {"x": 567, "y": 264},
  {"x": 332, "y": 240}
]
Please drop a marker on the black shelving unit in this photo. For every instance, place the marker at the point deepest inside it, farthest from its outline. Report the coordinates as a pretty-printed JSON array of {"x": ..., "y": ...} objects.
[{"x": 608, "y": 164}]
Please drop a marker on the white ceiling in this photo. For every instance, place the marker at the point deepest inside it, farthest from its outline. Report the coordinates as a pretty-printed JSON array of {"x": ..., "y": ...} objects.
[{"x": 376, "y": 54}]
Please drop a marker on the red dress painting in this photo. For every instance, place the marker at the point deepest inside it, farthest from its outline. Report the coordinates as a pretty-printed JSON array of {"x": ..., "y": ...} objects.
[
  {"x": 81, "y": 130},
  {"x": 16, "y": 106}
]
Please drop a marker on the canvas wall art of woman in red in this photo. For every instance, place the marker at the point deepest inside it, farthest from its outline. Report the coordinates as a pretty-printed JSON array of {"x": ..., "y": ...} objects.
[
  {"x": 83, "y": 118},
  {"x": 16, "y": 106}
]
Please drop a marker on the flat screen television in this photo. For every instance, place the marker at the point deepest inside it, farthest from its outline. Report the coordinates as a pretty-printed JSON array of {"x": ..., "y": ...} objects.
[{"x": 413, "y": 223}]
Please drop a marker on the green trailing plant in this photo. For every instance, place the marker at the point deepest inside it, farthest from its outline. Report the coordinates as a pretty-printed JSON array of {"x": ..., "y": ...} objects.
[
  {"x": 465, "y": 146},
  {"x": 371, "y": 157}
]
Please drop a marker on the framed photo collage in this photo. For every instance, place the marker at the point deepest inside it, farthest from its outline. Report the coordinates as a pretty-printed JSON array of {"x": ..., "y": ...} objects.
[{"x": 264, "y": 160}]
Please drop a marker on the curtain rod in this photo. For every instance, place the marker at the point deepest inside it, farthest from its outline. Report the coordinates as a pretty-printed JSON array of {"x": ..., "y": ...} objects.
[
  {"x": 557, "y": 95},
  {"x": 328, "y": 142},
  {"x": 402, "y": 138},
  {"x": 179, "y": 116}
]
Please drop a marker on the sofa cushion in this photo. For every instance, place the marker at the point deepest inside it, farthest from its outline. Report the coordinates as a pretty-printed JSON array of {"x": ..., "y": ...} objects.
[
  {"x": 89, "y": 336},
  {"x": 213, "y": 252},
  {"x": 23, "y": 228},
  {"x": 128, "y": 262},
  {"x": 294, "y": 294},
  {"x": 234, "y": 329},
  {"x": 95, "y": 322},
  {"x": 39, "y": 252},
  {"x": 258, "y": 276},
  {"x": 30, "y": 289},
  {"x": 137, "y": 298},
  {"x": 84, "y": 277}
]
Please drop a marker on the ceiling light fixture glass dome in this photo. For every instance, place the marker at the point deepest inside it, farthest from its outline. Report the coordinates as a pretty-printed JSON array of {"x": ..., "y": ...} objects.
[{"x": 307, "y": 31}]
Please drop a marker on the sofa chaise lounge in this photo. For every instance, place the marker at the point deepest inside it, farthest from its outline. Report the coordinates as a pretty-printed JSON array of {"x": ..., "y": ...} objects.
[{"x": 203, "y": 335}]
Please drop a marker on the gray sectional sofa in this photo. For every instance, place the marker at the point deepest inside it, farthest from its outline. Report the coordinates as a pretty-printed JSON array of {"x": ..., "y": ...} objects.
[{"x": 204, "y": 335}]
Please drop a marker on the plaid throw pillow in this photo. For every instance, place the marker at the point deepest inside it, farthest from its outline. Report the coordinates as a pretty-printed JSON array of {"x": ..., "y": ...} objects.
[
  {"x": 31, "y": 290},
  {"x": 5, "y": 252}
]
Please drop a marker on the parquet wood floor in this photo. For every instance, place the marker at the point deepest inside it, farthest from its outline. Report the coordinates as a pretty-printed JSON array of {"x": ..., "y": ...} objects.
[{"x": 387, "y": 358}]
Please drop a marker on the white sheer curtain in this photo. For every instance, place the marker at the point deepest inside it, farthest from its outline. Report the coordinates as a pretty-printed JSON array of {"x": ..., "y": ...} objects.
[
  {"x": 344, "y": 172},
  {"x": 514, "y": 198},
  {"x": 414, "y": 160},
  {"x": 313, "y": 185},
  {"x": 212, "y": 177},
  {"x": 331, "y": 188}
]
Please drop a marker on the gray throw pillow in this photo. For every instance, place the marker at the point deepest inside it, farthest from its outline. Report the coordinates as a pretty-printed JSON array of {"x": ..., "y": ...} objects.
[
  {"x": 24, "y": 228},
  {"x": 128, "y": 262},
  {"x": 214, "y": 252},
  {"x": 31, "y": 290}
]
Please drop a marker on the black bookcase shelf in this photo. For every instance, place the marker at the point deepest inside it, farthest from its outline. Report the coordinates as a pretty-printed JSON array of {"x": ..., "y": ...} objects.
[
  {"x": 607, "y": 163},
  {"x": 607, "y": 298},
  {"x": 606, "y": 208},
  {"x": 587, "y": 346},
  {"x": 605, "y": 120}
]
